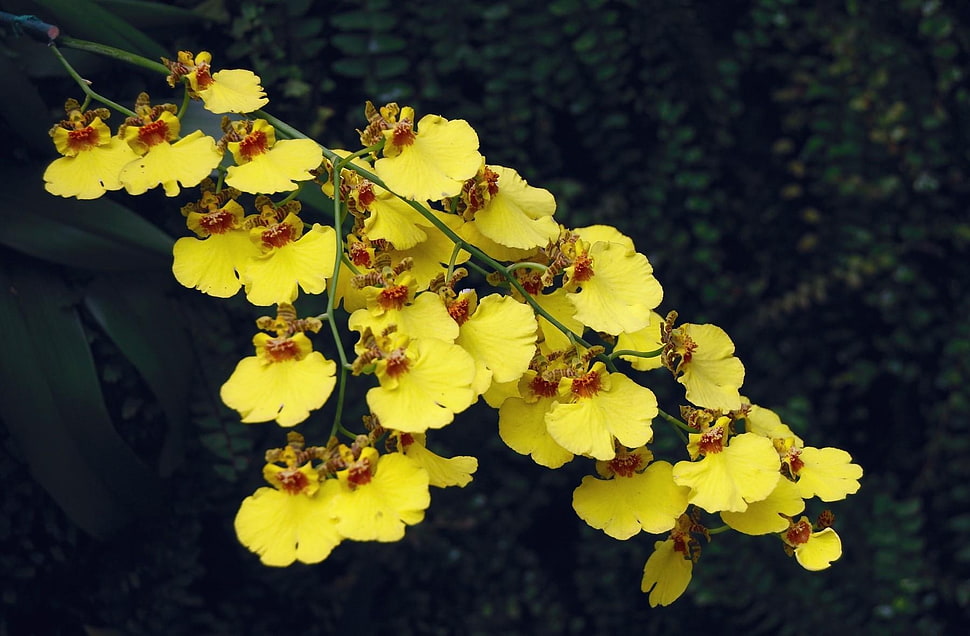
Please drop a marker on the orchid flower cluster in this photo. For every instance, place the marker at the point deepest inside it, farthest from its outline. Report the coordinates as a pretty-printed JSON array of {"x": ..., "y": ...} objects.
[{"x": 458, "y": 284}]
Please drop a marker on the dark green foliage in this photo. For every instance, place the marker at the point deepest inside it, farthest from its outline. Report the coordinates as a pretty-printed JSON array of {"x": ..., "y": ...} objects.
[{"x": 796, "y": 172}]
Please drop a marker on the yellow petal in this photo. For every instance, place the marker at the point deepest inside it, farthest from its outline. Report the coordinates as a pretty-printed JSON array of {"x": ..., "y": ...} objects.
[
  {"x": 90, "y": 173},
  {"x": 234, "y": 91},
  {"x": 764, "y": 517},
  {"x": 283, "y": 391},
  {"x": 522, "y": 426},
  {"x": 426, "y": 317},
  {"x": 442, "y": 471},
  {"x": 393, "y": 220},
  {"x": 211, "y": 265},
  {"x": 278, "y": 169},
  {"x": 187, "y": 162},
  {"x": 747, "y": 470},
  {"x": 307, "y": 262},
  {"x": 713, "y": 377},
  {"x": 827, "y": 473},
  {"x": 443, "y": 156},
  {"x": 645, "y": 340},
  {"x": 396, "y": 496},
  {"x": 502, "y": 334},
  {"x": 518, "y": 215},
  {"x": 820, "y": 551},
  {"x": 666, "y": 574},
  {"x": 623, "y": 506},
  {"x": 283, "y": 528}
]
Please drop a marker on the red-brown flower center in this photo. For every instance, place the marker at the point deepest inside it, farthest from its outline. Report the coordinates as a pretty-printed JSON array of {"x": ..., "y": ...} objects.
[
  {"x": 153, "y": 133},
  {"x": 359, "y": 255},
  {"x": 543, "y": 388},
  {"x": 82, "y": 139},
  {"x": 582, "y": 268},
  {"x": 292, "y": 481},
  {"x": 277, "y": 235},
  {"x": 397, "y": 363},
  {"x": 625, "y": 465},
  {"x": 799, "y": 533},
  {"x": 253, "y": 145},
  {"x": 218, "y": 222},
  {"x": 491, "y": 181},
  {"x": 587, "y": 385},
  {"x": 393, "y": 297},
  {"x": 795, "y": 460},
  {"x": 403, "y": 135},
  {"x": 458, "y": 310},
  {"x": 359, "y": 473},
  {"x": 202, "y": 76},
  {"x": 282, "y": 349},
  {"x": 712, "y": 441},
  {"x": 365, "y": 195}
]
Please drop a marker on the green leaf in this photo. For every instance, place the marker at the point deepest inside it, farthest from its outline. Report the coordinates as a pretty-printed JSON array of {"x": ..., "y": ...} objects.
[
  {"x": 154, "y": 14},
  {"x": 51, "y": 401},
  {"x": 85, "y": 19},
  {"x": 99, "y": 234},
  {"x": 27, "y": 114},
  {"x": 143, "y": 323}
]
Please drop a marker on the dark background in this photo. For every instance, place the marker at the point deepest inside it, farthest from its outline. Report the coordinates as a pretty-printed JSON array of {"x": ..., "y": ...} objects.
[{"x": 795, "y": 171}]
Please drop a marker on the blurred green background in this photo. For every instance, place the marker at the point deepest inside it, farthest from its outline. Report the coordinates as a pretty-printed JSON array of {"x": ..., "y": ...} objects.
[{"x": 795, "y": 171}]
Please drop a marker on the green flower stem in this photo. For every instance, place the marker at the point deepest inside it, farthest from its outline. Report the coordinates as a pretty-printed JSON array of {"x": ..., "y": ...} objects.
[
  {"x": 110, "y": 51},
  {"x": 86, "y": 86},
  {"x": 676, "y": 422},
  {"x": 638, "y": 354},
  {"x": 719, "y": 529},
  {"x": 331, "y": 299},
  {"x": 530, "y": 266}
]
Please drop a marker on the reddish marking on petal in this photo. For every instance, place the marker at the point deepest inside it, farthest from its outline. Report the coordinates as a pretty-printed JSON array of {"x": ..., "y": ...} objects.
[
  {"x": 292, "y": 481},
  {"x": 406, "y": 440},
  {"x": 203, "y": 77},
  {"x": 253, "y": 145},
  {"x": 365, "y": 194},
  {"x": 533, "y": 284},
  {"x": 218, "y": 222},
  {"x": 799, "y": 533},
  {"x": 153, "y": 133},
  {"x": 491, "y": 179},
  {"x": 458, "y": 310},
  {"x": 583, "y": 268},
  {"x": 393, "y": 297},
  {"x": 689, "y": 348},
  {"x": 543, "y": 388},
  {"x": 680, "y": 543},
  {"x": 397, "y": 363},
  {"x": 403, "y": 135},
  {"x": 359, "y": 255},
  {"x": 359, "y": 474},
  {"x": 795, "y": 460},
  {"x": 277, "y": 235},
  {"x": 82, "y": 139},
  {"x": 282, "y": 349},
  {"x": 586, "y": 385},
  {"x": 712, "y": 441},
  {"x": 626, "y": 465}
]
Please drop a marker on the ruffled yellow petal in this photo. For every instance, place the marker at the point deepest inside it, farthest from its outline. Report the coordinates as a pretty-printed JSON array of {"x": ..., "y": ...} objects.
[
  {"x": 764, "y": 517},
  {"x": 518, "y": 215},
  {"x": 607, "y": 233},
  {"x": 308, "y": 263},
  {"x": 436, "y": 385},
  {"x": 278, "y": 169},
  {"x": 211, "y": 265},
  {"x": 522, "y": 426},
  {"x": 393, "y": 220},
  {"x": 284, "y": 391},
  {"x": 747, "y": 470},
  {"x": 234, "y": 91},
  {"x": 88, "y": 174},
  {"x": 396, "y": 496},
  {"x": 646, "y": 340},
  {"x": 187, "y": 162},
  {"x": 666, "y": 574},
  {"x": 827, "y": 473},
  {"x": 502, "y": 334},
  {"x": 443, "y": 155},
  {"x": 623, "y": 506},
  {"x": 621, "y": 409},
  {"x": 557, "y": 304},
  {"x": 713, "y": 376},
  {"x": 282, "y": 528},
  {"x": 442, "y": 471},
  {"x": 766, "y": 423},
  {"x": 428, "y": 255},
  {"x": 426, "y": 317},
  {"x": 820, "y": 551},
  {"x": 619, "y": 295},
  {"x": 472, "y": 234}
]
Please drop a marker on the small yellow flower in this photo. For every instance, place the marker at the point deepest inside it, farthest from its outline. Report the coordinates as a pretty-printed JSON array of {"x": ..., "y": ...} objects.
[
  {"x": 442, "y": 471},
  {"x": 508, "y": 210},
  {"x": 668, "y": 571},
  {"x": 826, "y": 473},
  {"x": 421, "y": 316},
  {"x": 429, "y": 161},
  {"x": 226, "y": 91},
  {"x": 646, "y": 340},
  {"x": 500, "y": 333},
  {"x": 92, "y": 160},
  {"x": 770, "y": 514},
  {"x": 212, "y": 265},
  {"x": 814, "y": 551},
  {"x": 264, "y": 165},
  {"x": 635, "y": 496},
  {"x": 291, "y": 521},
  {"x": 702, "y": 358},
  {"x": 731, "y": 474},
  {"x": 165, "y": 159},
  {"x": 598, "y": 409},
  {"x": 522, "y": 421},
  {"x": 284, "y": 381},
  {"x": 376, "y": 497}
]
